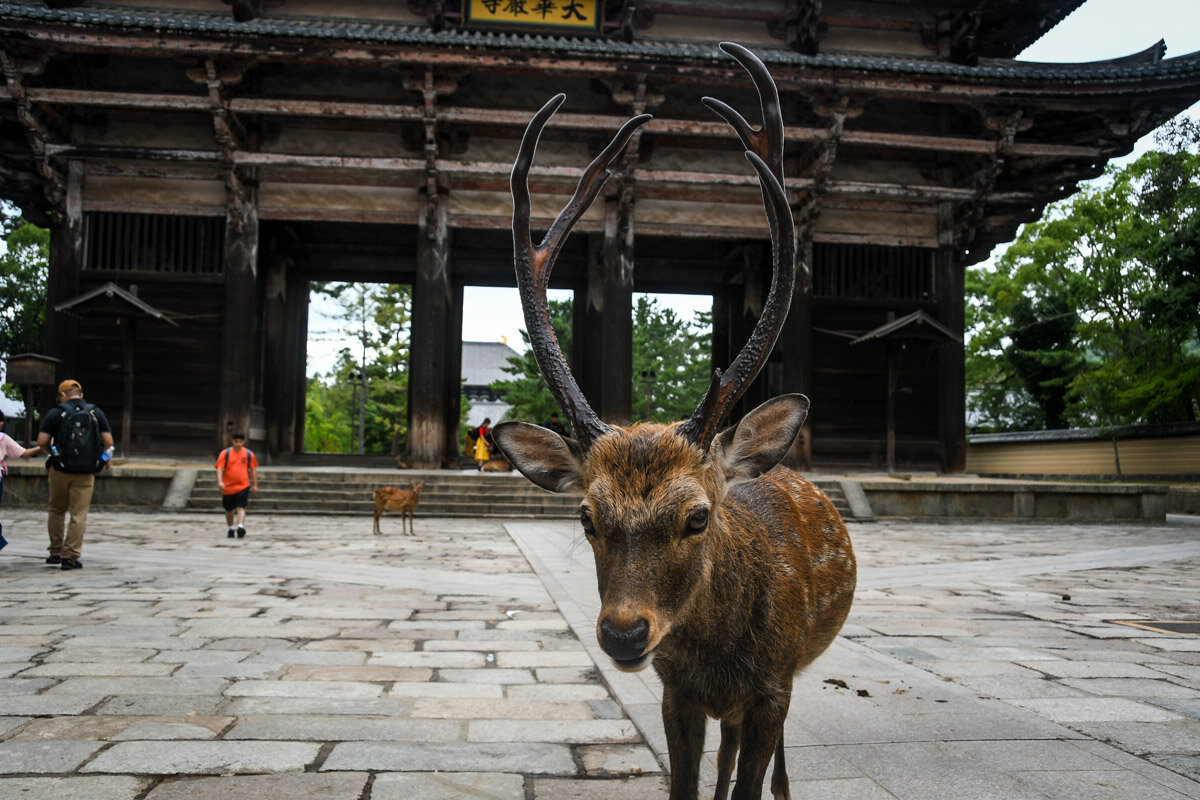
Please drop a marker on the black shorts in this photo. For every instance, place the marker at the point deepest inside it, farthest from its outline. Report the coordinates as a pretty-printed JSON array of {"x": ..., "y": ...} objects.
[{"x": 236, "y": 500}]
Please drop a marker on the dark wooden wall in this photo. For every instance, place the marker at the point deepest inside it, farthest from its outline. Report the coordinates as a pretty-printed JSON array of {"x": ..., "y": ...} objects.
[{"x": 176, "y": 370}]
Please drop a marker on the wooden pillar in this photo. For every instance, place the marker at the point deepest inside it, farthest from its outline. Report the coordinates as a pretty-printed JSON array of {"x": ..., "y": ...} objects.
[
  {"x": 128, "y": 327},
  {"x": 238, "y": 319},
  {"x": 736, "y": 309},
  {"x": 65, "y": 263},
  {"x": 427, "y": 399},
  {"x": 606, "y": 349},
  {"x": 585, "y": 324},
  {"x": 282, "y": 366},
  {"x": 796, "y": 349},
  {"x": 298, "y": 295},
  {"x": 952, "y": 374},
  {"x": 453, "y": 376},
  {"x": 724, "y": 301},
  {"x": 756, "y": 277}
]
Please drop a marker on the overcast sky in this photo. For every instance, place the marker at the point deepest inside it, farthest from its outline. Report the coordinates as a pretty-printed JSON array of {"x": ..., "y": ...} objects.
[{"x": 1098, "y": 30}]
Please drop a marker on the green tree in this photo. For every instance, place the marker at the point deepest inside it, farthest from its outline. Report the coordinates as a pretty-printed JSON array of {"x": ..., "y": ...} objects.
[
  {"x": 672, "y": 362},
  {"x": 527, "y": 391},
  {"x": 671, "y": 365},
  {"x": 378, "y": 318},
  {"x": 24, "y": 263},
  {"x": 1092, "y": 316},
  {"x": 330, "y": 410}
]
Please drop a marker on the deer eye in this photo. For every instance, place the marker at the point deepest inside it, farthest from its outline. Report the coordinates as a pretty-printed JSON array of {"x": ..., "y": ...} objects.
[
  {"x": 696, "y": 523},
  {"x": 585, "y": 519}
]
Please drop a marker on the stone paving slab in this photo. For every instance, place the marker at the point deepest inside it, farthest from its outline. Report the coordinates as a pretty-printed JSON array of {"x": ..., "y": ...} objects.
[
  {"x": 202, "y": 757},
  {"x": 100, "y": 787},
  {"x": 258, "y": 787},
  {"x": 438, "y": 786}
]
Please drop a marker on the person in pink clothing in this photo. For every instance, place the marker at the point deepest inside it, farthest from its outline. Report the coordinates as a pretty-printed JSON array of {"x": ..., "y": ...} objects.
[{"x": 9, "y": 448}]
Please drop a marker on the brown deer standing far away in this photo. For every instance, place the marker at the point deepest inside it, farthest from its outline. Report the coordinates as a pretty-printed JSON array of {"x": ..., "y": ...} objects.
[
  {"x": 726, "y": 572},
  {"x": 403, "y": 500}
]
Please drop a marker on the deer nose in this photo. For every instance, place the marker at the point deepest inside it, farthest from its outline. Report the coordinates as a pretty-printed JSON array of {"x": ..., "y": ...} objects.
[{"x": 625, "y": 644}]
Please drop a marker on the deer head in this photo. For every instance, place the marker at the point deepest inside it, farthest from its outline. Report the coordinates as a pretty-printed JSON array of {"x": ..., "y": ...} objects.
[{"x": 653, "y": 494}]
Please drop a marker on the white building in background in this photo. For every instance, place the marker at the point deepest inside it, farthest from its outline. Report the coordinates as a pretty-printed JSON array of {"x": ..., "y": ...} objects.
[
  {"x": 482, "y": 365},
  {"x": 14, "y": 410}
]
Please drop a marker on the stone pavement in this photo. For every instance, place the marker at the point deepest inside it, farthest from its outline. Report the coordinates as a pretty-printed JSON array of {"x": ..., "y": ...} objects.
[{"x": 314, "y": 660}]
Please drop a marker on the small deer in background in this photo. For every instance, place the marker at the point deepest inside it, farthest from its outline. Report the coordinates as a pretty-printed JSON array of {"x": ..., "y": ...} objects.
[
  {"x": 403, "y": 500},
  {"x": 726, "y": 572},
  {"x": 496, "y": 465}
]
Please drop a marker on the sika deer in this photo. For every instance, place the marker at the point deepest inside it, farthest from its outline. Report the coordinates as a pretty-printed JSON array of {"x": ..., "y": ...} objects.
[
  {"x": 726, "y": 572},
  {"x": 403, "y": 500}
]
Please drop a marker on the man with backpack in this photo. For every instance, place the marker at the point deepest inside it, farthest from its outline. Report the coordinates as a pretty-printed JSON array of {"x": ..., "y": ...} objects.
[{"x": 79, "y": 441}]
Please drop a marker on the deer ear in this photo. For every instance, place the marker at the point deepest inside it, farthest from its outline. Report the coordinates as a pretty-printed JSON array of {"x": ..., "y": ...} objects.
[
  {"x": 540, "y": 454},
  {"x": 762, "y": 438}
]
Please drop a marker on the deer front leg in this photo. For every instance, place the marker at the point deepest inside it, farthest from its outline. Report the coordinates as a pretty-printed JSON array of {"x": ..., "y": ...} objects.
[
  {"x": 684, "y": 723},
  {"x": 731, "y": 741},
  {"x": 780, "y": 788},
  {"x": 762, "y": 738}
]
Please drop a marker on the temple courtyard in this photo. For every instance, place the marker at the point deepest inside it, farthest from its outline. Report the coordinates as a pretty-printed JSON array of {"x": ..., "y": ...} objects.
[{"x": 313, "y": 659}]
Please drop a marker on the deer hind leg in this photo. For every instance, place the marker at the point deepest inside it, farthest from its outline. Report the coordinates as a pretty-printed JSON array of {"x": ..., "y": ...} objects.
[
  {"x": 378, "y": 511},
  {"x": 731, "y": 741},
  {"x": 780, "y": 788}
]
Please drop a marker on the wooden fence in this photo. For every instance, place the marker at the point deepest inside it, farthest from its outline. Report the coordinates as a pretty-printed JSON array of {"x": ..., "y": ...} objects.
[{"x": 1144, "y": 452}]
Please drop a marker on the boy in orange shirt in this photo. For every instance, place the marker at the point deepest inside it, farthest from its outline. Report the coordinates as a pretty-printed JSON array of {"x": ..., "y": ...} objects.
[{"x": 237, "y": 476}]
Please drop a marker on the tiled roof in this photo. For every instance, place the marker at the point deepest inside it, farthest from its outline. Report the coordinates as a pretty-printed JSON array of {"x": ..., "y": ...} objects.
[{"x": 222, "y": 24}]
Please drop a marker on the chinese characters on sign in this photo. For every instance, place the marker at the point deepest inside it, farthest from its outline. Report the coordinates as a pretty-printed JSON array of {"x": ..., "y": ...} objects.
[{"x": 564, "y": 16}]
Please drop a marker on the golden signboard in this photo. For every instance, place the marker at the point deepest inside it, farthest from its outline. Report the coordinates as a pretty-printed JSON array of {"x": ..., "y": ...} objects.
[{"x": 559, "y": 16}]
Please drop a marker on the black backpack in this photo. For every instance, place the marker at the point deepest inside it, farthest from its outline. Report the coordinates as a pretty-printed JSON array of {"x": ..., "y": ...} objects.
[{"x": 78, "y": 440}]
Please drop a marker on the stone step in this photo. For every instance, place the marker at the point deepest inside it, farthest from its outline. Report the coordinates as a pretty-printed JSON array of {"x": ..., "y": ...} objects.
[
  {"x": 446, "y": 494},
  {"x": 833, "y": 490}
]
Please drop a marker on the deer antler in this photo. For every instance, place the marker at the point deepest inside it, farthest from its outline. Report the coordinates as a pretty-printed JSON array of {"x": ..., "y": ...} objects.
[
  {"x": 765, "y": 152},
  {"x": 534, "y": 263}
]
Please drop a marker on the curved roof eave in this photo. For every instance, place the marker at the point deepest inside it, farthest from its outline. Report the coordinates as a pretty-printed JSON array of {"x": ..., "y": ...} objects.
[
  {"x": 1070, "y": 8},
  {"x": 1129, "y": 69}
]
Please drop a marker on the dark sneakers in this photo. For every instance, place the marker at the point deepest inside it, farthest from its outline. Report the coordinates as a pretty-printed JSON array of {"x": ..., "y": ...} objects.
[
  {"x": 71, "y": 563},
  {"x": 241, "y": 532},
  {"x": 230, "y": 534},
  {"x": 53, "y": 560}
]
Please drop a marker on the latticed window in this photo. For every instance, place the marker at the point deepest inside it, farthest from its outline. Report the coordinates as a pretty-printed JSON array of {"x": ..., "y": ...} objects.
[
  {"x": 872, "y": 272},
  {"x": 154, "y": 243}
]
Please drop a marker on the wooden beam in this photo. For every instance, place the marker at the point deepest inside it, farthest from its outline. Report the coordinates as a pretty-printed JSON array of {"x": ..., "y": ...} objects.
[
  {"x": 498, "y": 172},
  {"x": 517, "y": 118},
  {"x": 37, "y": 134}
]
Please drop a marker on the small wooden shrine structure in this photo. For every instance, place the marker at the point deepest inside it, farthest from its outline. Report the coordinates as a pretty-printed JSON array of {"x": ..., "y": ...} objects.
[{"x": 223, "y": 154}]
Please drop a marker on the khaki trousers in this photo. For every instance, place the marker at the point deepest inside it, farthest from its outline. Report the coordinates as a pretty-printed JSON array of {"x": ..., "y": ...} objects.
[{"x": 68, "y": 494}]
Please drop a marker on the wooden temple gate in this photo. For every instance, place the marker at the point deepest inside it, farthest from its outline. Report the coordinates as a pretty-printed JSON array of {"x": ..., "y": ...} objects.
[{"x": 220, "y": 157}]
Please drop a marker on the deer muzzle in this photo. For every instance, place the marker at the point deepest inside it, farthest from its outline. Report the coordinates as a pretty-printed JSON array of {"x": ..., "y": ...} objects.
[{"x": 626, "y": 644}]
